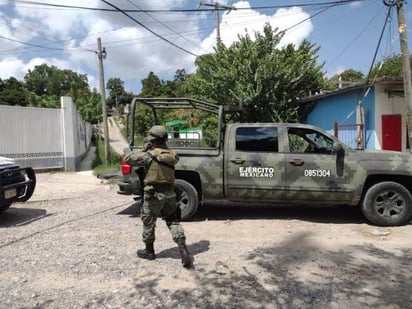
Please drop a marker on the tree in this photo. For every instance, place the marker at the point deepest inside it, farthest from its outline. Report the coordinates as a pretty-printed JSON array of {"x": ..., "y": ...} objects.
[
  {"x": 13, "y": 92},
  {"x": 154, "y": 87},
  {"x": 345, "y": 78},
  {"x": 118, "y": 97},
  {"x": 90, "y": 107},
  {"x": 50, "y": 80},
  {"x": 151, "y": 86},
  {"x": 265, "y": 79},
  {"x": 390, "y": 67}
]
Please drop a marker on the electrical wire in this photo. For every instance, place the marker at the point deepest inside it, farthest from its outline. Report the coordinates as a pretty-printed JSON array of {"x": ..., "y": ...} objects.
[
  {"x": 148, "y": 29},
  {"x": 339, "y": 2},
  {"x": 355, "y": 38},
  {"x": 332, "y": 3},
  {"x": 368, "y": 81},
  {"x": 378, "y": 45},
  {"x": 36, "y": 45},
  {"x": 166, "y": 26}
]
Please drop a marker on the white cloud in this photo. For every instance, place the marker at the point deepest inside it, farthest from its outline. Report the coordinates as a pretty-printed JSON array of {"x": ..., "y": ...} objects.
[
  {"x": 47, "y": 22},
  {"x": 241, "y": 21},
  {"x": 339, "y": 69},
  {"x": 132, "y": 50},
  {"x": 356, "y": 4},
  {"x": 19, "y": 68}
]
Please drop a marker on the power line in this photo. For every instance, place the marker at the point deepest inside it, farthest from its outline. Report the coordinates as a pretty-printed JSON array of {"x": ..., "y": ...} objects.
[
  {"x": 378, "y": 45},
  {"x": 355, "y": 38},
  {"x": 148, "y": 29},
  {"x": 338, "y": 2},
  {"x": 165, "y": 25},
  {"x": 36, "y": 45}
]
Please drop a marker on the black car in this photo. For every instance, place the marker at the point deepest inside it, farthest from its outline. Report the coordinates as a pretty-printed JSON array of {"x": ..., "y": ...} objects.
[{"x": 16, "y": 183}]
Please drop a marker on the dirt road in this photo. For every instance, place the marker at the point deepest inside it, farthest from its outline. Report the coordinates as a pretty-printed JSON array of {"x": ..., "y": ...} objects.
[{"x": 74, "y": 247}]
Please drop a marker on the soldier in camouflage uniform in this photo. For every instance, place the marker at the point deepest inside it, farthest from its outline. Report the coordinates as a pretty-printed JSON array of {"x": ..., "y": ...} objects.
[{"x": 159, "y": 199}]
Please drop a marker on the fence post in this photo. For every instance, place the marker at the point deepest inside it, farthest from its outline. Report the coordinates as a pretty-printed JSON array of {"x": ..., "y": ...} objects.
[{"x": 336, "y": 128}]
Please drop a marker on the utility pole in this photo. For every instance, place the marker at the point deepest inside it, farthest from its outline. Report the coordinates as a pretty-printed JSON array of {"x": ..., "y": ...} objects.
[
  {"x": 217, "y": 8},
  {"x": 402, "y": 28},
  {"x": 101, "y": 54}
]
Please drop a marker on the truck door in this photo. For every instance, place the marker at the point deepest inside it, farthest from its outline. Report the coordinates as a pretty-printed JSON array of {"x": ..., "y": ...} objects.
[
  {"x": 311, "y": 168},
  {"x": 255, "y": 170}
]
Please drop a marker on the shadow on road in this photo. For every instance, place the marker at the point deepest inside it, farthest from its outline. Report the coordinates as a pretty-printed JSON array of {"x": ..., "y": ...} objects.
[
  {"x": 21, "y": 216},
  {"x": 194, "y": 249},
  {"x": 320, "y": 214},
  {"x": 133, "y": 210}
]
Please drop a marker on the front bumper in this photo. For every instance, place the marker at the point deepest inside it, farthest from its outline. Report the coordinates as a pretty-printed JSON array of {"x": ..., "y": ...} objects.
[
  {"x": 128, "y": 186},
  {"x": 16, "y": 185}
]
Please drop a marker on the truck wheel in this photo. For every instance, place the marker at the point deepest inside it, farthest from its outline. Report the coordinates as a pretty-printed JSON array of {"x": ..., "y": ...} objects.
[
  {"x": 387, "y": 203},
  {"x": 187, "y": 198}
]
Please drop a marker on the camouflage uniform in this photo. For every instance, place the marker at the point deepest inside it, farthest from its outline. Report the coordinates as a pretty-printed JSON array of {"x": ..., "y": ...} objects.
[{"x": 159, "y": 194}]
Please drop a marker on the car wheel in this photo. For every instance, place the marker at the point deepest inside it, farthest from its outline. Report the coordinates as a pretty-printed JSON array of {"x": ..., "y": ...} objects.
[
  {"x": 387, "y": 203},
  {"x": 187, "y": 198},
  {"x": 4, "y": 207}
]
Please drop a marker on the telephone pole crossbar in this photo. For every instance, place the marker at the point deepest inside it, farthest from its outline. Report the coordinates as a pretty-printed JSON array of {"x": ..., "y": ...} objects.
[{"x": 217, "y": 8}]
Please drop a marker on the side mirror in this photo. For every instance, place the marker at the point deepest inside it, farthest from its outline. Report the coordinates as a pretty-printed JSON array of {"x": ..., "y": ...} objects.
[
  {"x": 340, "y": 158},
  {"x": 338, "y": 148}
]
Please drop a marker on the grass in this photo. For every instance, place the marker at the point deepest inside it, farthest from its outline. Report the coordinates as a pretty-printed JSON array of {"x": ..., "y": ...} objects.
[{"x": 98, "y": 165}]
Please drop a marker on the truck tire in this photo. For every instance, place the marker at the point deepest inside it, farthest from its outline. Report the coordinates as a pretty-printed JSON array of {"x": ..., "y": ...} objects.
[
  {"x": 387, "y": 203},
  {"x": 187, "y": 198}
]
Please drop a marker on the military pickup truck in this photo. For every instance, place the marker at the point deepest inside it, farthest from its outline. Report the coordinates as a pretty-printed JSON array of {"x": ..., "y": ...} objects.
[
  {"x": 278, "y": 163},
  {"x": 16, "y": 183}
]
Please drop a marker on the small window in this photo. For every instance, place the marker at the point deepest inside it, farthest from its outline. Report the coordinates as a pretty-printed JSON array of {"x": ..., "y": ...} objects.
[{"x": 257, "y": 139}]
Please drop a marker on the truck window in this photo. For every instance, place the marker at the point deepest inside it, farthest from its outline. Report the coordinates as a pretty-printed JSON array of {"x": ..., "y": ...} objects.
[
  {"x": 257, "y": 139},
  {"x": 302, "y": 140}
]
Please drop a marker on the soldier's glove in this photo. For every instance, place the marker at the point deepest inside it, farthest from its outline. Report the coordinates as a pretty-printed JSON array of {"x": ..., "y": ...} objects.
[{"x": 147, "y": 146}]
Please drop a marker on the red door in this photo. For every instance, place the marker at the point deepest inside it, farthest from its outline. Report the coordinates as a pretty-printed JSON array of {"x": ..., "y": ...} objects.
[{"x": 392, "y": 132}]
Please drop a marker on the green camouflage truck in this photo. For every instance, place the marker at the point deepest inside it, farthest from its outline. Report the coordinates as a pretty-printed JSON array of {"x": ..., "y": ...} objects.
[{"x": 279, "y": 163}]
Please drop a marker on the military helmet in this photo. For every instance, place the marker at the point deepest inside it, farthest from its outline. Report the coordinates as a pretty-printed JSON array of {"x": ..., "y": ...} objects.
[{"x": 157, "y": 133}]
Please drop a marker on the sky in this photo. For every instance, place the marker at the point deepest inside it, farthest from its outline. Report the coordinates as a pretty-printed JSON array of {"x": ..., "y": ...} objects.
[{"x": 169, "y": 34}]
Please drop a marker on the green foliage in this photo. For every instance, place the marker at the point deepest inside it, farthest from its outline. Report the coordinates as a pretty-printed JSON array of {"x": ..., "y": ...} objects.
[
  {"x": 118, "y": 97},
  {"x": 347, "y": 77},
  {"x": 47, "y": 101},
  {"x": 209, "y": 130},
  {"x": 143, "y": 120},
  {"x": 154, "y": 87},
  {"x": 50, "y": 80},
  {"x": 44, "y": 85},
  {"x": 13, "y": 92},
  {"x": 151, "y": 86},
  {"x": 90, "y": 107},
  {"x": 391, "y": 67},
  {"x": 265, "y": 79},
  {"x": 98, "y": 165}
]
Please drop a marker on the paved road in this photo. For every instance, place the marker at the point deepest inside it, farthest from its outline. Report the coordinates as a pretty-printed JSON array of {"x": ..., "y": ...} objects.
[{"x": 117, "y": 141}]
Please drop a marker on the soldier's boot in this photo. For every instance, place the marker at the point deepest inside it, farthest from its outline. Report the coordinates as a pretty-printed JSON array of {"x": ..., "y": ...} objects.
[
  {"x": 147, "y": 253},
  {"x": 187, "y": 258}
]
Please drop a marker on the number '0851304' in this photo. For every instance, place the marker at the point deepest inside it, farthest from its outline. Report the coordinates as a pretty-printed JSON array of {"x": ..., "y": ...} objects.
[{"x": 317, "y": 173}]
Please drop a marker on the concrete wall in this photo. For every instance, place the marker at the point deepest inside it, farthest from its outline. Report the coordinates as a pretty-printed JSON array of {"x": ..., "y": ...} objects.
[
  {"x": 387, "y": 104},
  {"x": 44, "y": 138}
]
